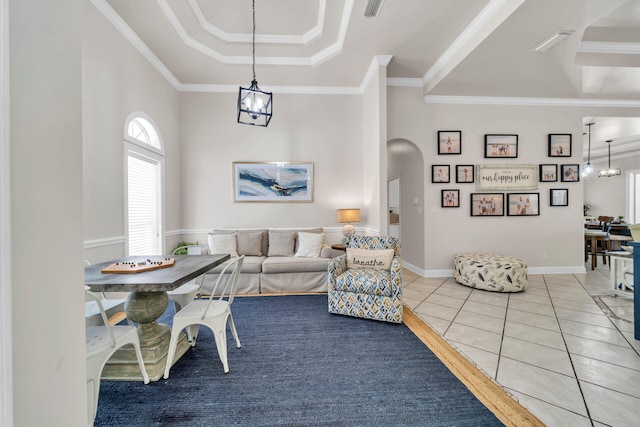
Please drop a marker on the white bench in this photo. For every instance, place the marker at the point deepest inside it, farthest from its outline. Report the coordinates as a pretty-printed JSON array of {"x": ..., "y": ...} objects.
[{"x": 498, "y": 273}]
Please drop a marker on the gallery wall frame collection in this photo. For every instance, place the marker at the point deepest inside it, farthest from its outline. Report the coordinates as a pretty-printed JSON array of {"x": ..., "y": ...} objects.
[
  {"x": 440, "y": 174},
  {"x": 465, "y": 174},
  {"x": 506, "y": 177},
  {"x": 450, "y": 198},
  {"x": 516, "y": 179},
  {"x": 559, "y": 197},
  {"x": 487, "y": 204},
  {"x": 500, "y": 146},
  {"x": 570, "y": 173},
  {"x": 548, "y": 173},
  {"x": 449, "y": 142},
  {"x": 559, "y": 145},
  {"x": 519, "y": 204}
]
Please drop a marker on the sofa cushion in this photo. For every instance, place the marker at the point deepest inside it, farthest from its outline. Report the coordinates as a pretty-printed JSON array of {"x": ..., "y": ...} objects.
[
  {"x": 250, "y": 265},
  {"x": 379, "y": 259},
  {"x": 223, "y": 244},
  {"x": 249, "y": 242},
  {"x": 281, "y": 243},
  {"x": 265, "y": 241},
  {"x": 293, "y": 264},
  {"x": 309, "y": 244},
  {"x": 365, "y": 281},
  {"x": 308, "y": 230}
]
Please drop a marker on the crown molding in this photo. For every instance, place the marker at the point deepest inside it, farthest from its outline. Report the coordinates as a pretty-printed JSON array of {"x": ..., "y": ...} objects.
[
  {"x": 312, "y": 60},
  {"x": 377, "y": 61},
  {"x": 404, "y": 82},
  {"x": 493, "y": 14},
  {"x": 290, "y": 90},
  {"x": 110, "y": 14},
  {"x": 115, "y": 20},
  {"x": 618, "y": 48},
  {"x": 524, "y": 101},
  {"x": 307, "y": 37}
]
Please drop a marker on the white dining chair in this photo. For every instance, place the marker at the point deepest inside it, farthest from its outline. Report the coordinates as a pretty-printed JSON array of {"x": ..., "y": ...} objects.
[
  {"x": 111, "y": 307},
  {"x": 101, "y": 342},
  {"x": 190, "y": 290},
  {"x": 213, "y": 313}
]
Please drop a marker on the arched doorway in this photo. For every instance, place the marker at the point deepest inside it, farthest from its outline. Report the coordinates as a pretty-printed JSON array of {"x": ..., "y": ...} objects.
[{"x": 406, "y": 164}]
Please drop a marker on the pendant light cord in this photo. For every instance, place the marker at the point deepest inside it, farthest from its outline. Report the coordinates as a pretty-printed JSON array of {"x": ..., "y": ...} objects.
[{"x": 253, "y": 42}]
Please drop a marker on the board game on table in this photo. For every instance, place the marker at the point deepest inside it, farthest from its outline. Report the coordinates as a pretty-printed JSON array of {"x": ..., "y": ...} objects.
[{"x": 138, "y": 266}]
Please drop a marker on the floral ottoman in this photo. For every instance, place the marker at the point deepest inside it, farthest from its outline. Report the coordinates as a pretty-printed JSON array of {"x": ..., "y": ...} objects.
[{"x": 498, "y": 273}]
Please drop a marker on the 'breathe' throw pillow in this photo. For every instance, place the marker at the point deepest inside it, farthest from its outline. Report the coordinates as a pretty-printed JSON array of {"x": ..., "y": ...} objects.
[{"x": 379, "y": 259}]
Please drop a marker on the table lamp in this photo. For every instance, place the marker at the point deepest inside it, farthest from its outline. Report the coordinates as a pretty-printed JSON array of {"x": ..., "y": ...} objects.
[{"x": 348, "y": 216}]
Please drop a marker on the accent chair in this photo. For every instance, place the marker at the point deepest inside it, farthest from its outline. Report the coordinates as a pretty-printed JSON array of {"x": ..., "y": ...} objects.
[{"x": 362, "y": 285}]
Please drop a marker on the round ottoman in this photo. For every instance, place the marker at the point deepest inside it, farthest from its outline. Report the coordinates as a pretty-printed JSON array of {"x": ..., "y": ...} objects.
[{"x": 498, "y": 273}]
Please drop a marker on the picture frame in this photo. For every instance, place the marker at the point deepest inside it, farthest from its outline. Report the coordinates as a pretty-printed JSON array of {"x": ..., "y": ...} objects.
[
  {"x": 450, "y": 198},
  {"x": 523, "y": 204},
  {"x": 570, "y": 173},
  {"x": 559, "y": 197},
  {"x": 465, "y": 174},
  {"x": 273, "y": 181},
  {"x": 440, "y": 174},
  {"x": 559, "y": 145},
  {"x": 500, "y": 146},
  {"x": 487, "y": 204},
  {"x": 449, "y": 142},
  {"x": 506, "y": 177},
  {"x": 548, "y": 173}
]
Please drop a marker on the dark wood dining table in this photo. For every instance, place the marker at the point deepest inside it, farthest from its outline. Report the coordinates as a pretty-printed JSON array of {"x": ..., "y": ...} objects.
[
  {"x": 146, "y": 302},
  {"x": 591, "y": 237}
]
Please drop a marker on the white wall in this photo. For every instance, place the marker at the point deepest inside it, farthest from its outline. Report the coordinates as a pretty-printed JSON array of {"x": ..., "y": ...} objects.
[
  {"x": 323, "y": 129},
  {"x": 374, "y": 148},
  {"x": 551, "y": 242},
  {"x": 449, "y": 231},
  {"x": 116, "y": 81},
  {"x": 46, "y": 202}
]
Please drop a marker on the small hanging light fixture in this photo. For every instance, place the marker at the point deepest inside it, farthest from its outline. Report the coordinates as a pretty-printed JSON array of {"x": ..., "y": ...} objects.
[
  {"x": 606, "y": 173},
  {"x": 587, "y": 168},
  {"x": 254, "y": 105}
]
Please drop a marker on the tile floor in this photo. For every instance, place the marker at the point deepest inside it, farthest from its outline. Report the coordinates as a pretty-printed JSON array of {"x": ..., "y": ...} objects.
[{"x": 564, "y": 347}]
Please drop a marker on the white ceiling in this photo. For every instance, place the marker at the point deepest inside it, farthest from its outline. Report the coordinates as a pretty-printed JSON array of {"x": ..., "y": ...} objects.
[{"x": 462, "y": 48}]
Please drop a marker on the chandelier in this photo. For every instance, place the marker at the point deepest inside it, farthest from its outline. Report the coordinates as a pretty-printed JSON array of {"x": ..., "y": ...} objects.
[
  {"x": 254, "y": 105},
  {"x": 606, "y": 173}
]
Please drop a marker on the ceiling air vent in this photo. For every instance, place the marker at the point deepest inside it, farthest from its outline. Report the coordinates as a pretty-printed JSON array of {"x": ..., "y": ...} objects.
[{"x": 372, "y": 9}]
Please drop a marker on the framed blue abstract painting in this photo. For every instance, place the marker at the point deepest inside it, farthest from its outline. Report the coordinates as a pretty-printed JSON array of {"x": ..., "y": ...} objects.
[{"x": 273, "y": 181}]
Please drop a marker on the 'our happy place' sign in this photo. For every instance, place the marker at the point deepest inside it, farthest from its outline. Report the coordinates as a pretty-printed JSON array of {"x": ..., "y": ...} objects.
[{"x": 507, "y": 177}]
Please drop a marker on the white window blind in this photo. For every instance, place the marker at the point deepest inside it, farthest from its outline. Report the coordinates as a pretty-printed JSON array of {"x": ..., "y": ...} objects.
[{"x": 143, "y": 205}]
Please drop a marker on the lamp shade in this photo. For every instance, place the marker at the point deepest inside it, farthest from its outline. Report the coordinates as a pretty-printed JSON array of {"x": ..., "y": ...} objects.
[{"x": 348, "y": 215}]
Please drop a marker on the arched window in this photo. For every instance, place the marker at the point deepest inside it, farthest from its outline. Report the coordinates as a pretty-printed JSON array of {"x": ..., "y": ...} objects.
[{"x": 145, "y": 189}]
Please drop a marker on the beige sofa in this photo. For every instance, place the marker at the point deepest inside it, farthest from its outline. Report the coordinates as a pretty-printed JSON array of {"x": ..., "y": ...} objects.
[{"x": 275, "y": 260}]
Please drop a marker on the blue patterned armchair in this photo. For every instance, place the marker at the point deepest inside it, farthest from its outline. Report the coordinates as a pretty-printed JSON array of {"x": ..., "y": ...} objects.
[{"x": 367, "y": 292}]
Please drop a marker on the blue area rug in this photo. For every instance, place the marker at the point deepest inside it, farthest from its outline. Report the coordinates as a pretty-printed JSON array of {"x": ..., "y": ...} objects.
[{"x": 299, "y": 366}]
